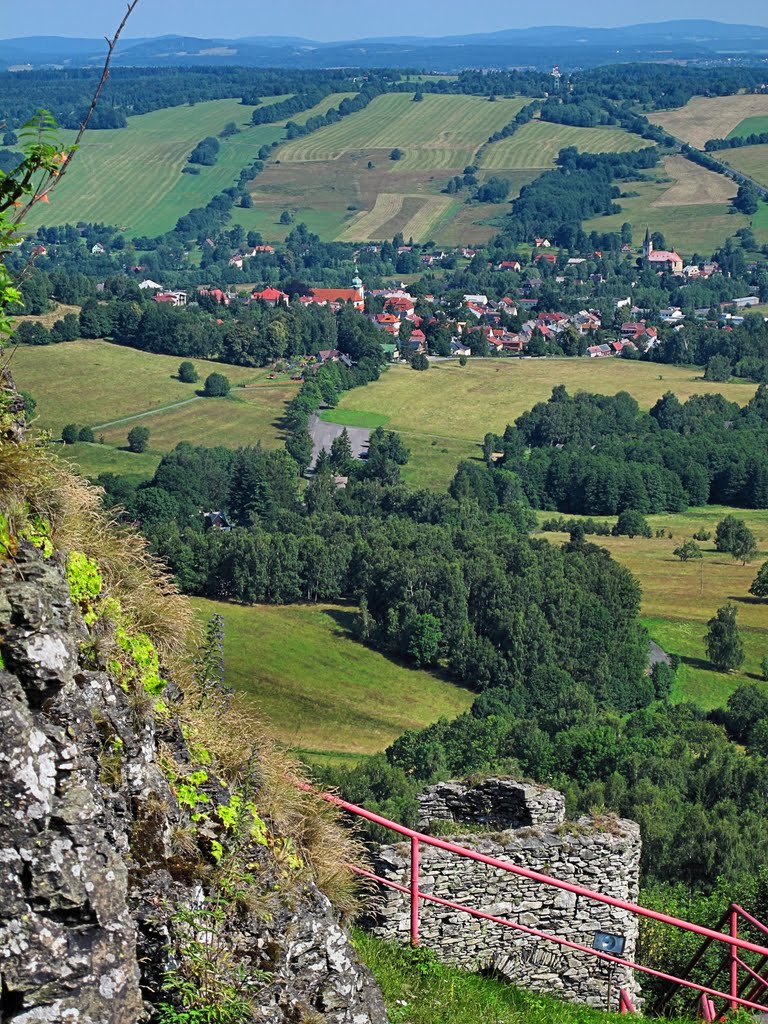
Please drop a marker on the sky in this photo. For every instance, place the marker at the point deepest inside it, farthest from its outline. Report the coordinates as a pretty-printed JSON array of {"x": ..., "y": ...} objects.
[{"x": 346, "y": 19}]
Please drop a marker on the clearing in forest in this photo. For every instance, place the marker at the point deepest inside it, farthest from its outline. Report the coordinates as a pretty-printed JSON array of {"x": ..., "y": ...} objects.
[
  {"x": 704, "y": 118},
  {"x": 321, "y": 692},
  {"x": 537, "y": 144}
]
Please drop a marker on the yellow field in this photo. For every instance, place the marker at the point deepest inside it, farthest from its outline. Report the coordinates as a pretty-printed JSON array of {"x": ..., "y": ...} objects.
[
  {"x": 537, "y": 144},
  {"x": 694, "y": 185},
  {"x": 750, "y": 160},
  {"x": 438, "y": 133},
  {"x": 704, "y": 118}
]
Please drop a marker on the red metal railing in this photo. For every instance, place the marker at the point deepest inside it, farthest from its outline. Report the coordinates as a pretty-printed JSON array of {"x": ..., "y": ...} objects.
[{"x": 732, "y": 942}]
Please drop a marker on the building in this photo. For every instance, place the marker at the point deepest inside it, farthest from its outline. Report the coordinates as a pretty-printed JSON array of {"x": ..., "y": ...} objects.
[
  {"x": 271, "y": 296},
  {"x": 662, "y": 260},
  {"x": 355, "y": 295}
]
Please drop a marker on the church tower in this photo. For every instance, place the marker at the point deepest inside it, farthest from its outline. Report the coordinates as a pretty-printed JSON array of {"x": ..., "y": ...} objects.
[{"x": 647, "y": 244}]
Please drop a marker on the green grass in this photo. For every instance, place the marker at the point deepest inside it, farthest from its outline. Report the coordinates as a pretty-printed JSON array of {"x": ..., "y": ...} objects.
[
  {"x": 750, "y": 160},
  {"x": 94, "y": 382},
  {"x": 750, "y": 126},
  {"x": 438, "y": 133},
  {"x": 322, "y": 693},
  {"x": 444, "y": 413},
  {"x": 679, "y": 598},
  {"x": 94, "y": 459},
  {"x": 419, "y": 990},
  {"x": 537, "y": 144}
]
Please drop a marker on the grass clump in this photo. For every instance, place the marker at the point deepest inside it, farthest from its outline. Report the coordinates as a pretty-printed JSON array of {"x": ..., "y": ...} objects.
[{"x": 418, "y": 989}]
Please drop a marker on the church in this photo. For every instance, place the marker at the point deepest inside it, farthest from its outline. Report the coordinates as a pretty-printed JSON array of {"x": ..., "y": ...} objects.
[{"x": 660, "y": 259}]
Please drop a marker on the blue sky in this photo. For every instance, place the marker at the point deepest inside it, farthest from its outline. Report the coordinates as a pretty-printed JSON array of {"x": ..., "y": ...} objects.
[{"x": 347, "y": 19}]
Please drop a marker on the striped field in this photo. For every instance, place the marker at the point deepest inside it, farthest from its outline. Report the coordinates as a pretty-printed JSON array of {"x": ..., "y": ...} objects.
[
  {"x": 537, "y": 144},
  {"x": 704, "y": 118},
  {"x": 413, "y": 215},
  {"x": 439, "y": 132},
  {"x": 132, "y": 177}
]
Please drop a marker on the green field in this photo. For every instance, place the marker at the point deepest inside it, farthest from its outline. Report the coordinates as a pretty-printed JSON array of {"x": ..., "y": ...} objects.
[
  {"x": 750, "y": 126},
  {"x": 96, "y": 383},
  {"x": 321, "y": 692},
  {"x": 439, "y": 133},
  {"x": 537, "y": 144},
  {"x": 445, "y": 413},
  {"x": 680, "y": 597},
  {"x": 750, "y": 160},
  {"x": 132, "y": 177}
]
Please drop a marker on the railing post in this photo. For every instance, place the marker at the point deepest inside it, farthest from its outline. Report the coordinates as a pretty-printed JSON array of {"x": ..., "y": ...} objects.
[
  {"x": 414, "y": 891},
  {"x": 734, "y": 960}
]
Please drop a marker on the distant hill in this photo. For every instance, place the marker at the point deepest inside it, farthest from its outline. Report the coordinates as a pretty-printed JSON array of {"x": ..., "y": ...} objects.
[{"x": 568, "y": 46}]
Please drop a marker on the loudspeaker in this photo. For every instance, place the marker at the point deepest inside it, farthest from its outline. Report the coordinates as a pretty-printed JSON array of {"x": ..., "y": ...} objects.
[{"x": 607, "y": 943}]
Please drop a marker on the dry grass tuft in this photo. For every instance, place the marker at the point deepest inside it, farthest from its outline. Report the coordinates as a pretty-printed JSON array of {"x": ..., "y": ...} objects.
[{"x": 239, "y": 743}]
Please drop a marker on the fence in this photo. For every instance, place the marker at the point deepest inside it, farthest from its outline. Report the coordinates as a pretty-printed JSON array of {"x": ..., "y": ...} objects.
[{"x": 742, "y": 991}]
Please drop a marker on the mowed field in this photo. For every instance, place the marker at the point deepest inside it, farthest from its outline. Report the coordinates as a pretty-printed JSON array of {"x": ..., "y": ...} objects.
[
  {"x": 96, "y": 383},
  {"x": 704, "y": 118},
  {"x": 536, "y": 145},
  {"x": 319, "y": 691},
  {"x": 325, "y": 179},
  {"x": 444, "y": 413},
  {"x": 690, "y": 205},
  {"x": 680, "y": 597},
  {"x": 750, "y": 160}
]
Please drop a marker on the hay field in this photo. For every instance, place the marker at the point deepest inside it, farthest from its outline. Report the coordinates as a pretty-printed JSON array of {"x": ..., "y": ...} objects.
[
  {"x": 413, "y": 215},
  {"x": 694, "y": 185},
  {"x": 537, "y": 144},
  {"x": 439, "y": 133},
  {"x": 750, "y": 126},
  {"x": 444, "y": 413},
  {"x": 704, "y": 118}
]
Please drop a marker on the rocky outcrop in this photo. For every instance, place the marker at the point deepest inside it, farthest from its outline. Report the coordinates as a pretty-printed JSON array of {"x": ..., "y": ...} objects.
[{"x": 96, "y": 891}]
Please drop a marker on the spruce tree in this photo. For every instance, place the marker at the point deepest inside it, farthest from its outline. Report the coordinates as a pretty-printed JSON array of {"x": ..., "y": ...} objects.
[{"x": 724, "y": 646}]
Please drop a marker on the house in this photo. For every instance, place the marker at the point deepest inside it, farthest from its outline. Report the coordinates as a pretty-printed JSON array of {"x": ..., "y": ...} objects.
[
  {"x": 391, "y": 351},
  {"x": 355, "y": 295},
  {"x": 216, "y": 521},
  {"x": 507, "y": 305},
  {"x": 271, "y": 296},
  {"x": 98, "y": 249},
  {"x": 387, "y": 322},
  {"x": 621, "y": 303},
  {"x": 223, "y": 298},
  {"x": 599, "y": 351},
  {"x": 542, "y": 243},
  {"x": 458, "y": 348},
  {"x": 150, "y": 285},
  {"x": 39, "y": 250},
  {"x": 509, "y": 265},
  {"x": 171, "y": 298},
  {"x": 476, "y": 300},
  {"x": 585, "y": 320},
  {"x": 236, "y": 261},
  {"x": 400, "y": 305},
  {"x": 662, "y": 260},
  {"x": 548, "y": 257},
  {"x": 332, "y": 355},
  {"x": 631, "y": 330}
]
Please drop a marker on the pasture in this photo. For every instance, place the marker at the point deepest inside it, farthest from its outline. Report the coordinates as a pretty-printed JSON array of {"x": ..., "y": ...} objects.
[
  {"x": 680, "y": 597},
  {"x": 536, "y": 145},
  {"x": 750, "y": 126},
  {"x": 444, "y": 414},
  {"x": 320, "y": 692},
  {"x": 704, "y": 118},
  {"x": 687, "y": 203},
  {"x": 114, "y": 388},
  {"x": 750, "y": 160}
]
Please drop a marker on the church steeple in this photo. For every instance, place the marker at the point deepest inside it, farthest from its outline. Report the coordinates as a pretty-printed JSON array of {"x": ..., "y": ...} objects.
[{"x": 647, "y": 244}]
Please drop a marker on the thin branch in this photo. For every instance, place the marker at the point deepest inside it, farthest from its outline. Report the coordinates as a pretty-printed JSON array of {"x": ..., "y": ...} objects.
[{"x": 111, "y": 45}]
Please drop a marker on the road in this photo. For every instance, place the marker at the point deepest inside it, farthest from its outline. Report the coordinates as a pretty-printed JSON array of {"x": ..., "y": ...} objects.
[{"x": 324, "y": 433}]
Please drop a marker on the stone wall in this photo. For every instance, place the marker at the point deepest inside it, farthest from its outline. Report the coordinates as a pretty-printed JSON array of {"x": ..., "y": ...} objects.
[
  {"x": 499, "y": 803},
  {"x": 599, "y": 855}
]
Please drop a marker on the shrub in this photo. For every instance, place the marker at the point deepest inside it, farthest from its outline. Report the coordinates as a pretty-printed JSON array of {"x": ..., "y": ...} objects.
[
  {"x": 216, "y": 385},
  {"x": 138, "y": 439},
  {"x": 187, "y": 373},
  {"x": 86, "y": 434},
  {"x": 70, "y": 433}
]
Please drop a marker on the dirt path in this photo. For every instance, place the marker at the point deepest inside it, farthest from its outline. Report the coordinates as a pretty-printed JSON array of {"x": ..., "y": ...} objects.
[{"x": 147, "y": 412}]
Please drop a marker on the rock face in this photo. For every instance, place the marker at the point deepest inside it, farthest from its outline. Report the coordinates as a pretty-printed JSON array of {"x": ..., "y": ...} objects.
[
  {"x": 88, "y": 912},
  {"x": 603, "y": 856}
]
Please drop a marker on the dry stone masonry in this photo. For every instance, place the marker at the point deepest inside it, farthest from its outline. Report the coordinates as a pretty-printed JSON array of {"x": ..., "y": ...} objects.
[{"x": 602, "y": 855}]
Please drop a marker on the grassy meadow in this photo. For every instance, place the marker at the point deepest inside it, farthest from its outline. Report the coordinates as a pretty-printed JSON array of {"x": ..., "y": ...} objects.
[
  {"x": 444, "y": 414},
  {"x": 322, "y": 693},
  {"x": 113, "y": 388},
  {"x": 536, "y": 145},
  {"x": 750, "y": 160},
  {"x": 680, "y": 597}
]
